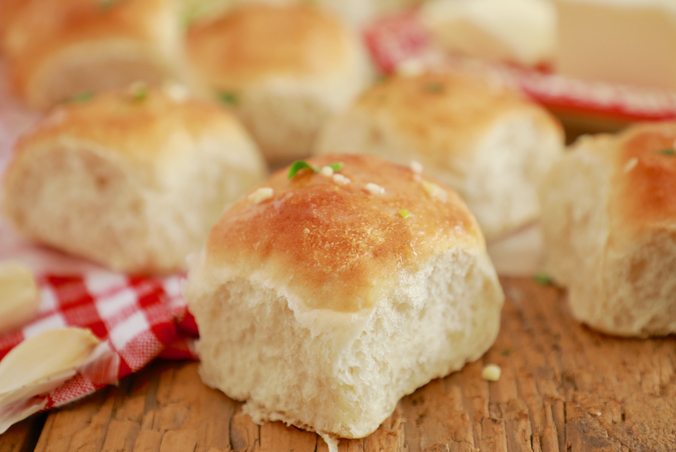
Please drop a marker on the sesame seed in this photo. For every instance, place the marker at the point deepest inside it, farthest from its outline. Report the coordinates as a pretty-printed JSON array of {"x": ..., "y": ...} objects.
[
  {"x": 410, "y": 67},
  {"x": 375, "y": 189},
  {"x": 260, "y": 195},
  {"x": 138, "y": 89},
  {"x": 340, "y": 179},
  {"x": 631, "y": 164},
  {"x": 326, "y": 171},
  {"x": 175, "y": 91},
  {"x": 416, "y": 166},
  {"x": 491, "y": 372},
  {"x": 435, "y": 191}
]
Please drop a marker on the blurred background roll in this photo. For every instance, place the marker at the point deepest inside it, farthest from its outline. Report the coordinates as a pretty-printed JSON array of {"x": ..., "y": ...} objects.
[
  {"x": 57, "y": 49},
  {"x": 488, "y": 142},
  {"x": 132, "y": 179},
  {"x": 609, "y": 221},
  {"x": 283, "y": 70}
]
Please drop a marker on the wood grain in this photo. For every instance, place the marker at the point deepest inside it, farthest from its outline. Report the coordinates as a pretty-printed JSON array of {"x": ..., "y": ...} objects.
[
  {"x": 563, "y": 388},
  {"x": 22, "y": 437}
]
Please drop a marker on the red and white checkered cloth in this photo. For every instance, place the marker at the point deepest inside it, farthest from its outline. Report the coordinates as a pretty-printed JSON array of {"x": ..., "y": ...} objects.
[
  {"x": 399, "y": 39},
  {"x": 138, "y": 319}
]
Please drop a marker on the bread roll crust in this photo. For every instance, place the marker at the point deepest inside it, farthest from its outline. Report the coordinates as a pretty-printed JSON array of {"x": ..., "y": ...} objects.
[
  {"x": 259, "y": 41},
  {"x": 442, "y": 103},
  {"x": 149, "y": 136},
  {"x": 342, "y": 241},
  {"x": 646, "y": 194}
]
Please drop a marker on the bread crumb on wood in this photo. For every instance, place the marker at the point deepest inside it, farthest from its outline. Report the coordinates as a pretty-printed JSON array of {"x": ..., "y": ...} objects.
[{"x": 491, "y": 372}]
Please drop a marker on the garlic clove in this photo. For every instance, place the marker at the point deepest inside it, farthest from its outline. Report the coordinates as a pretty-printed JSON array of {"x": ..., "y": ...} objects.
[
  {"x": 45, "y": 355},
  {"x": 37, "y": 366},
  {"x": 19, "y": 296}
]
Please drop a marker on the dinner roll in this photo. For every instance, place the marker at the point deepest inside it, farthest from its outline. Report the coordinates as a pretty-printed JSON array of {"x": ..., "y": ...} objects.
[
  {"x": 487, "y": 142},
  {"x": 131, "y": 179},
  {"x": 56, "y": 49},
  {"x": 609, "y": 217},
  {"x": 283, "y": 69},
  {"x": 324, "y": 298}
]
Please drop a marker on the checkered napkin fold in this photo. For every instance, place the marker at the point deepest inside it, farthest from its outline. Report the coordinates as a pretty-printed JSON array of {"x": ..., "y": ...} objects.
[
  {"x": 399, "y": 42},
  {"x": 137, "y": 319}
]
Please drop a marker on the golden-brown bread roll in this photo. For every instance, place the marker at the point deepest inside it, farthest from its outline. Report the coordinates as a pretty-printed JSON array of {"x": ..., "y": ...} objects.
[
  {"x": 324, "y": 298},
  {"x": 487, "y": 142},
  {"x": 283, "y": 69},
  {"x": 56, "y": 49},
  {"x": 131, "y": 179},
  {"x": 609, "y": 217}
]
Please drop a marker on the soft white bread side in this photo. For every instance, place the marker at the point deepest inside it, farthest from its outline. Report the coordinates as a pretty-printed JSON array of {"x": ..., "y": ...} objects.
[
  {"x": 609, "y": 219},
  {"x": 323, "y": 302},
  {"x": 56, "y": 49},
  {"x": 487, "y": 142},
  {"x": 283, "y": 69},
  {"x": 130, "y": 179}
]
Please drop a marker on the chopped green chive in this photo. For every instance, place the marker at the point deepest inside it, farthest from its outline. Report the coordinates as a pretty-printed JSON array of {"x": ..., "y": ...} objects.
[
  {"x": 302, "y": 164},
  {"x": 543, "y": 279},
  {"x": 189, "y": 16},
  {"x": 140, "y": 93},
  {"x": 404, "y": 213},
  {"x": 434, "y": 87},
  {"x": 82, "y": 97},
  {"x": 228, "y": 98},
  {"x": 106, "y": 4},
  {"x": 667, "y": 152},
  {"x": 507, "y": 352},
  {"x": 381, "y": 78},
  {"x": 297, "y": 166}
]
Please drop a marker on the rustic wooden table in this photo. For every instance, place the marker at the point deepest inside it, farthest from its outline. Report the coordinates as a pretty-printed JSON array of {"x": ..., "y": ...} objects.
[{"x": 563, "y": 388}]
